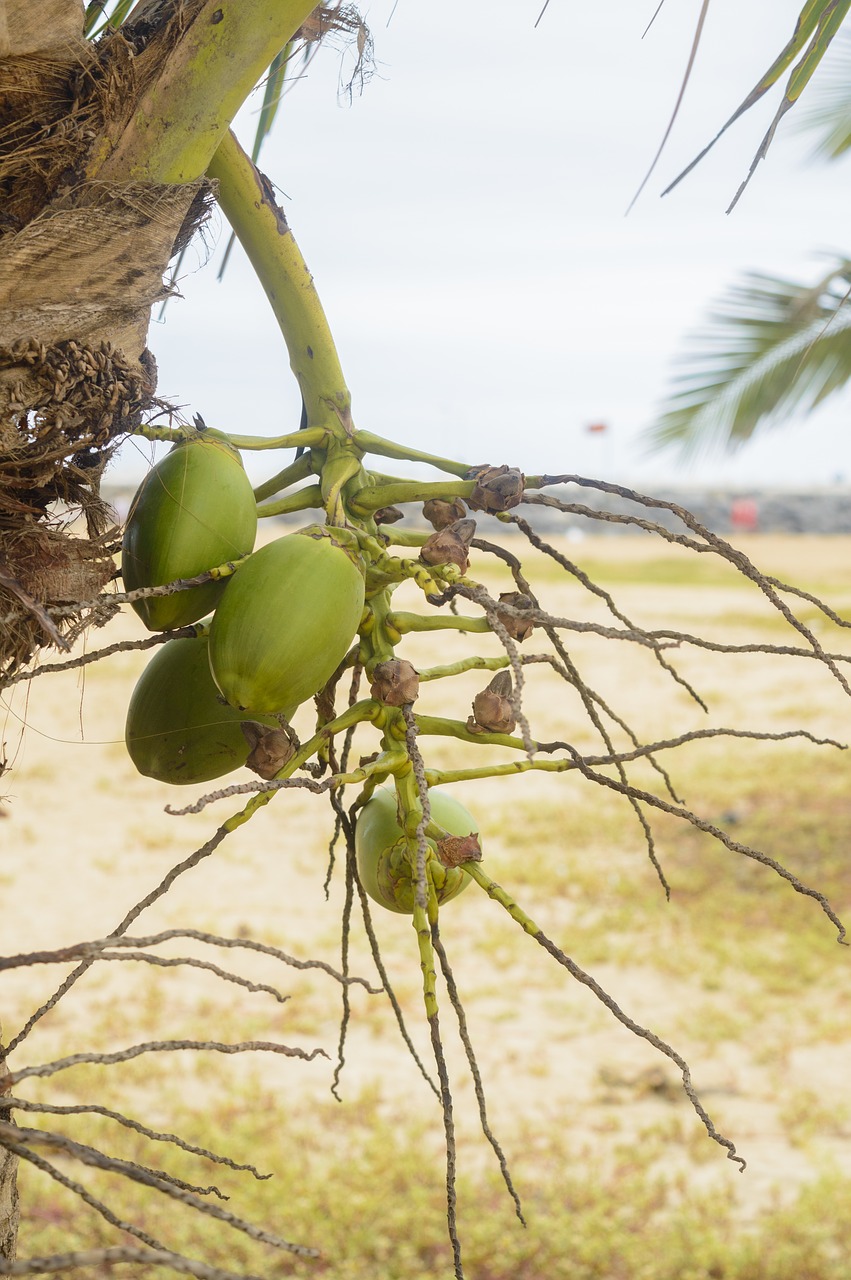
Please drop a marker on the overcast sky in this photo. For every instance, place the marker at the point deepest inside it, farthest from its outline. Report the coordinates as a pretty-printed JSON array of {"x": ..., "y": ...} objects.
[{"x": 464, "y": 222}]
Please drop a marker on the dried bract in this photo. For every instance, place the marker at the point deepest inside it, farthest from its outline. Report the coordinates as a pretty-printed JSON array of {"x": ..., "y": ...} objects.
[
  {"x": 454, "y": 851},
  {"x": 441, "y": 512},
  {"x": 497, "y": 488},
  {"x": 388, "y": 515},
  {"x": 395, "y": 683},
  {"x": 518, "y": 628},
  {"x": 492, "y": 708},
  {"x": 270, "y": 748},
  {"x": 450, "y": 545}
]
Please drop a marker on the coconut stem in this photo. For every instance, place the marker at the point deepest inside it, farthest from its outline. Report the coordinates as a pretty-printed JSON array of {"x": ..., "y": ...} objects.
[
  {"x": 247, "y": 201},
  {"x": 388, "y": 495},
  {"x": 211, "y": 59},
  {"x": 370, "y": 443},
  {"x": 301, "y": 500},
  {"x": 298, "y": 470},
  {"x": 404, "y": 622}
]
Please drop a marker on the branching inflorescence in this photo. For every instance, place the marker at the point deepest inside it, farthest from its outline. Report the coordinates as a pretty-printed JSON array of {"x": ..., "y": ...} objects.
[
  {"x": 414, "y": 857},
  {"x": 313, "y": 613}
]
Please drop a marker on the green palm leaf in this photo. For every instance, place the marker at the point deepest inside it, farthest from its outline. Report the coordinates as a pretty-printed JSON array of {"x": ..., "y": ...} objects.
[
  {"x": 97, "y": 9},
  {"x": 817, "y": 24},
  {"x": 771, "y": 347},
  {"x": 829, "y": 111}
]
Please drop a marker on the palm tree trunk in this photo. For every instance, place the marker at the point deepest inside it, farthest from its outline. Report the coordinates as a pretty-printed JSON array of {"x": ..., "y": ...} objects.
[
  {"x": 103, "y": 148},
  {"x": 8, "y": 1190}
]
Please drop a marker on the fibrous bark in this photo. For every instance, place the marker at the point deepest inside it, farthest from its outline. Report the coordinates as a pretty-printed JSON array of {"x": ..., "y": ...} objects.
[
  {"x": 8, "y": 1188},
  {"x": 81, "y": 262}
]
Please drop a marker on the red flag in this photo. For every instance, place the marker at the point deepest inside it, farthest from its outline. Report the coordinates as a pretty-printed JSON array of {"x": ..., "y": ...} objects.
[{"x": 596, "y": 428}]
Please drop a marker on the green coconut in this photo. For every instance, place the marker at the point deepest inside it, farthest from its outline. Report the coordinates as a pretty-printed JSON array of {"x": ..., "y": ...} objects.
[
  {"x": 286, "y": 620},
  {"x": 384, "y": 865},
  {"x": 178, "y": 729},
  {"x": 194, "y": 510}
]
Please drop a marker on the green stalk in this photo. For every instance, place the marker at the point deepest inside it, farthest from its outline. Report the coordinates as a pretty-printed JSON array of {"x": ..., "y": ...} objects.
[
  {"x": 404, "y": 622},
  {"x": 376, "y": 641},
  {"x": 443, "y": 777},
  {"x": 301, "y": 500},
  {"x": 462, "y": 665},
  {"x": 305, "y": 439},
  {"x": 367, "y": 709},
  {"x": 222, "y": 49},
  {"x": 247, "y": 202},
  {"x": 495, "y": 891},
  {"x": 339, "y": 468},
  {"x": 390, "y": 495},
  {"x": 308, "y": 439},
  {"x": 298, "y": 470},
  {"x": 423, "y": 929},
  {"x": 389, "y": 449},
  {"x": 444, "y": 728},
  {"x": 405, "y": 537}
]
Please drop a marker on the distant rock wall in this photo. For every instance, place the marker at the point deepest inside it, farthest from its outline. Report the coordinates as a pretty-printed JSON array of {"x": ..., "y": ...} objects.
[
  {"x": 825, "y": 510},
  {"x": 722, "y": 511}
]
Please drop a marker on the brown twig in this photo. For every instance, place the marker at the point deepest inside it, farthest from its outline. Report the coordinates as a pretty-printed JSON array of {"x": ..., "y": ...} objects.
[
  {"x": 91, "y": 1108},
  {"x": 161, "y": 1046},
  {"x": 135, "y": 911},
  {"x": 425, "y": 817},
  {"x": 678, "y": 811},
  {"x": 348, "y": 830},
  {"x": 581, "y": 576},
  {"x": 146, "y": 1177},
  {"x": 96, "y": 655},
  {"x": 713, "y": 543},
  {"x": 98, "y": 1259},
  {"x": 84, "y": 950},
  {"x": 472, "y": 1062},
  {"x": 449, "y": 1133},
  {"x": 23, "y": 1152},
  {"x": 345, "y": 934}
]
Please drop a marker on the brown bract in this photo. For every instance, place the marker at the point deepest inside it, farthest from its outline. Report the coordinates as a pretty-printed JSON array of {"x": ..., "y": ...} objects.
[
  {"x": 395, "y": 683},
  {"x": 270, "y": 748},
  {"x": 450, "y": 545},
  {"x": 492, "y": 708},
  {"x": 454, "y": 851},
  {"x": 518, "y": 628},
  {"x": 441, "y": 512},
  {"x": 388, "y": 515},
  {"x": 497, "y": 488}
]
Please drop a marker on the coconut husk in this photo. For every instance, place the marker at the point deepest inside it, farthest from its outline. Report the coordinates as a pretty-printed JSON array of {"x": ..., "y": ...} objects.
[
  {"x": 81, "y": 264},
  {"x": 52, "y": 24},
  {"x": 42, "y": 566}
]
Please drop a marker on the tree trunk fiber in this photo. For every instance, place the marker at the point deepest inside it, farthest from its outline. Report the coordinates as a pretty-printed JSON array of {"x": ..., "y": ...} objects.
[
  {"x": 81, "y": 263},
  {"x": 8, "y": 1191}
]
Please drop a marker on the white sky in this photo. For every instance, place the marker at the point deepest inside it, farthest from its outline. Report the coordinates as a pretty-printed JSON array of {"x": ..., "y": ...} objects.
[{"x": 464, "y": 222}]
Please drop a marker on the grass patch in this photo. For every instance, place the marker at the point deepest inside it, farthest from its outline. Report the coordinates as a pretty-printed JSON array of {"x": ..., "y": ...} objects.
[
  {"x": 740, "y": 968},
  {"x": 367, "y": 1190}
]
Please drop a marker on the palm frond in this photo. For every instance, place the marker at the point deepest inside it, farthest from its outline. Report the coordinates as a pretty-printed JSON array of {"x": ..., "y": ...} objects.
[
  {"x": 828, "y": 113},
  {"x": 817, "y": 24},
  {"x": 771, "y": 347},
  {"x": 113, "y": 16}
]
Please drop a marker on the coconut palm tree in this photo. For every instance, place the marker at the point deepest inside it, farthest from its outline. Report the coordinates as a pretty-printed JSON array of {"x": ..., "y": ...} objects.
[
  {"x": 771, "y": 346},
  {"x": 112, "y": 134}
]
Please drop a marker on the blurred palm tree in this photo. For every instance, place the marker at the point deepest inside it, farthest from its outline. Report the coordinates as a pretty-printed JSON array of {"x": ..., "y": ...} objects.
[{"x": 770, "y": 346}]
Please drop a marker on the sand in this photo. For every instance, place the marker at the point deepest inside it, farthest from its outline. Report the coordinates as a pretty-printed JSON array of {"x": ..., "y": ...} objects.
[{"x": 84, "y": 837}]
